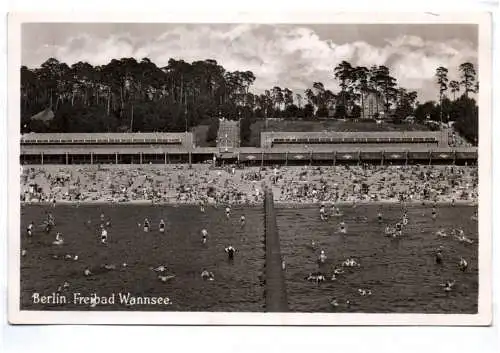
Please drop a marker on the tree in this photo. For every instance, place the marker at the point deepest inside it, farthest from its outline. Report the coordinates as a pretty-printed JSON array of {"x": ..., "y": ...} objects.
[
  {"x": 467, "y": 122},
  {"x": 299, "y": 98},
  {"x": 442, "y": 81},
  {"x": 245, "y": 131},
  {"x": 340, "y": 112},
  {"x": 405, "y": 103},
  {"x": 277, "y": 97},
  {"x": 344, "y": 73},
  {"x": 468, "y": 78},
  {"x": 384, "y": 83},
  {"x": 288, "y": 97},
  {"x": 361, "y": 75},
  {"x": 425, "y": 111},
  {"x": 454, "y": 88},
  {"x": 125, "y": 94},
  {"x": 212, "y": 131},
  {"x": 308, "y": 111}
]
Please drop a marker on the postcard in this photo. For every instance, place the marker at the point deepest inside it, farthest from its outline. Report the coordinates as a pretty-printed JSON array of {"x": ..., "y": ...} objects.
[{"x": 251, "y": 169}]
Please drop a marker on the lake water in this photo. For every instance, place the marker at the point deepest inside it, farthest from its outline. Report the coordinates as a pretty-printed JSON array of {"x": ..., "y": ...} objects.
[{"x": 401, "y": 273}]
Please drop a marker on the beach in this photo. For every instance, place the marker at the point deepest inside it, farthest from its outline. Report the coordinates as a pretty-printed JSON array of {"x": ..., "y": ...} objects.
[{"x": 204, "y": 184}]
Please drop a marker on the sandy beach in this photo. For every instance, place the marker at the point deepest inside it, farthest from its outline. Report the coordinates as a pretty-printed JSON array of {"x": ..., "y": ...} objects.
[{"x": 291, "y": 186}]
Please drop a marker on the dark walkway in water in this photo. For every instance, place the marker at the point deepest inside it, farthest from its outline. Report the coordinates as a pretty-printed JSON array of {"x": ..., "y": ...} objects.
[{"x": 275, "y": 289}]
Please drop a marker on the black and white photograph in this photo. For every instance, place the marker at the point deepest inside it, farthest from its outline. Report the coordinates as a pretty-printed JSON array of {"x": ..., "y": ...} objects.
[{"x": 212, "y": 172}]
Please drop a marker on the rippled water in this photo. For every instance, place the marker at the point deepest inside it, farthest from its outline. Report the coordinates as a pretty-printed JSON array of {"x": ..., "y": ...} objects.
[
  {"x": 237, "y": 285},
  {"x": 401, "y": 273}
]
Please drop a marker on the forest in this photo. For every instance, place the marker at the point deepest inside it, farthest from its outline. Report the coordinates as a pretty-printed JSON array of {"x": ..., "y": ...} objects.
[{"x": 127, "y": 95}]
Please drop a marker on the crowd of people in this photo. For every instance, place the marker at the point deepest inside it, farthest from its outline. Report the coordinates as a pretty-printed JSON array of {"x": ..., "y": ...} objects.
[
  {"x": 205, "y": 184},
  {"x": 328, "y": 271},
  {"x": 200, "y": 184},
  {"x": 377, "y": 183}
]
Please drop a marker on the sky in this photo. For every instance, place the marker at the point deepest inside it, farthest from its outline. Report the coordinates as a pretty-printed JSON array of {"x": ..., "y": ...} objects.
[{"x": 285, "y": 55}]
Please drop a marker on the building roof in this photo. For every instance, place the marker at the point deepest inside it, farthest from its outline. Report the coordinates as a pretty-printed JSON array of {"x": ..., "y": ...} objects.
[{"x": 139, "y": 136}]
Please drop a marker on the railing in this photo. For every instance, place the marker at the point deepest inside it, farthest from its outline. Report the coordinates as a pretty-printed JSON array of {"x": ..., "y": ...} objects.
[{"x": 107, "y": 141}]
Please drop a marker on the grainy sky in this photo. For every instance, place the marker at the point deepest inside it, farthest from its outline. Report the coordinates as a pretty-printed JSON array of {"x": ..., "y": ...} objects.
[{"x": 291, "y": 55}]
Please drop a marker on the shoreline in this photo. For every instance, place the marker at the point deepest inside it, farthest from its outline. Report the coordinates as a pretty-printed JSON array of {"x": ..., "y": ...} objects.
[{"x": 277, "y": 204}]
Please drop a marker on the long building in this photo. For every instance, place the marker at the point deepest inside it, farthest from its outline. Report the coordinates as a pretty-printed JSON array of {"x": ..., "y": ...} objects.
[
  {"x": 408, "y": 139},
  {"x": 276, "y": 148}
]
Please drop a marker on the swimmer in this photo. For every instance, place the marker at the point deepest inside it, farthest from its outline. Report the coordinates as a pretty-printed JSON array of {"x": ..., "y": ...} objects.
[
  {"x": 405, "y": 219},
  {"x": 204, "y": 235},
  {"x": 399, "y": 230},
  {"x": 160, "y": 269},
  {"x": 350, "y": 263},
  {"x": 63, "y": 287},
  {"x": 463, "y": 239},
  {"x": 334, "y": 302},
  {"x": 434, "y": 213},
  {"x": 283, "y": 265},
  {"x": 439, "y": 256},
  {"x": 165, "y": 278},
  {"x": 53, "y": 202},
  {"x": 228, "y": 212},
  {"x": 109, "y": 267},
  {"x": 389, "y": 231},
  {"x": 206, "y": 275},
  {"x": 441, "y": 233},
  {"x": 30, "y": 228},
  {"x": 322, "y": 257},
  {"x": 87, "y": 272},
  {"x": 104, "y": 236},
  {"x": 59, "y": 239},
  {"x": 71, "y": 257},
  {"x": 462, "y": 265},
  {"x": 316, "y": 277},
  {"x": 336, "y": 212},
  {"x": 230, "y": 252},
  {"x": 322, "y": 213},
  {"x": 146, "y": 225},
  {"x": 102, "y": 217},
  {"x": 342, "y": 228},
  {"x": 474, "y": 217},
  {"x": 379, "y": 217},
  {"x": 161, "y": 227},
  {"x": 448, "y": 286},
  {"x": 23, "y": 252},
  {"x": 202, "y": 207},
  {"x": 337, "y": 271},
  {"x": 51, "y": 220},
  {"x": 242, "y": 221},
  {"x": 364, "y": 292},
  {"x": 314, "y": 245}
]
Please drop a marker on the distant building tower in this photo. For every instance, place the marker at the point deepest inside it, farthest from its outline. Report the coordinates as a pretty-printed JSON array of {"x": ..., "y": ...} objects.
[{"x": 373, "y": 104}]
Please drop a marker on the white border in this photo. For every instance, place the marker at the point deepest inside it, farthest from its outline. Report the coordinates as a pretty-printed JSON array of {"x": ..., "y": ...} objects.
[{"x": 484, "y": 315}]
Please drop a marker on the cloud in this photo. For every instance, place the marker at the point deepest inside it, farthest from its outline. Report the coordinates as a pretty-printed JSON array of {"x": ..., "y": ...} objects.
[{"x": 288, "y": 56}]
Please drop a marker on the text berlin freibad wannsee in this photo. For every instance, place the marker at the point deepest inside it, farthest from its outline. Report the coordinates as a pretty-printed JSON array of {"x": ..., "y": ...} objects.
[{"x": 94, "y": 299}]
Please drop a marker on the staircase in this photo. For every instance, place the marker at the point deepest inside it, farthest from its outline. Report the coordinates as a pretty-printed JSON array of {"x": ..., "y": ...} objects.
[{"x": 228, "y": 135}]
